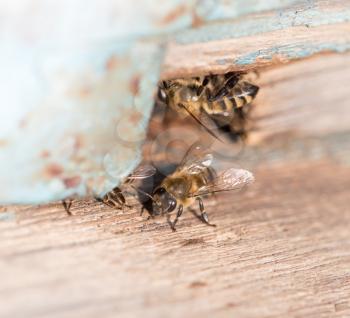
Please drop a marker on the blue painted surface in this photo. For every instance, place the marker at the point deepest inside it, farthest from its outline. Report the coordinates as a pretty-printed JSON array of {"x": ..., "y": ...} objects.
[
  {"x": 310, "y": 16},
  {"x": 7, "y": 216},
  {"x": 65, "y": 80},
  {"x": 213, "y": 10},
  {"x": 289, "y": 51}
]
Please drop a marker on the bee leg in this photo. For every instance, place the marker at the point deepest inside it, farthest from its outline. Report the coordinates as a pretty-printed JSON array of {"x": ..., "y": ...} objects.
[
  {"x": 124, "y": 205},
  {"x": 204, "y": 215},
  {"x": 67, "y": 206},
  {"x": 142, "y": 210},
  {"x": 170, "y": 223},
  {"x": 150, "y": 217},
  {"x": 178, "y": 214},
  {"x": 110, "y": 204}
]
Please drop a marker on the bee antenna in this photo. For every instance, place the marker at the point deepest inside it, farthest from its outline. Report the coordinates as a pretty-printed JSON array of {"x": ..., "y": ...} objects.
[
  {"x": 199, "y": 122},
  {"x": 143, "y": 192}
]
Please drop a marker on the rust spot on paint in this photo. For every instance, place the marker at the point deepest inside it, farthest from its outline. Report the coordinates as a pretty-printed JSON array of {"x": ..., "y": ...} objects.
[
  {"x": 112, "y": 63},
  {"x": 173, "y": 15},
  {"x": 134, "y": 84},
  {"x": 81, "y": 92},
  {"x": 78, "y": 142},
  {"x": 197, "y": 284},
  {"x": 84, "y": 92},
  {"x": 53, "y": 170},
  {"x": 45, "y": 154},
  {"x": 135, "y": 117},
  {"x": 71, "y": 182},
  {"x": 23, "y": 123},
  {"x": 197, "y": 21}
]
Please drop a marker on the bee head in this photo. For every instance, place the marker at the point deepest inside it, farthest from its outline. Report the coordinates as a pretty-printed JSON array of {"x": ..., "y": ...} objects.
[{"x": 163, "y": 202}]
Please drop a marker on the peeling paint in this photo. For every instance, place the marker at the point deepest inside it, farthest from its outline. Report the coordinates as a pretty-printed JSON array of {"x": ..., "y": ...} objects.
[
  {"x": 7, "y": 216},
  {"x": 290, "y": 52},
  {"x": 72, "y": 112},
  {"x": 313, "y": 15},
  {"x": 213, "y": 10}
]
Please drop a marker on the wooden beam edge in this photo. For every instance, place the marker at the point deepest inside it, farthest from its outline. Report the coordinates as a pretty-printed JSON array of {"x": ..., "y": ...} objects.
[{"x": 254, "y": 52}]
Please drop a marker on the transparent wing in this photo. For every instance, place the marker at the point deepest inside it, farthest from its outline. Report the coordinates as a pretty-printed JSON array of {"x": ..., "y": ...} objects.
[
  {"x": 231, "y": 79},
  {"x": 231, "y": 179},
  {"x": 196, "y": 159},
  {"x": 142, "y": 172}
]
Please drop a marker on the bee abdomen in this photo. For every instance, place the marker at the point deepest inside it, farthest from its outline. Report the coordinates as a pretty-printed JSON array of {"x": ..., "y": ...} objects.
[
  {"x": 244, "y": 94},
  {"x": 114, "y": 198},
  {"x": 217, "y": 107}
]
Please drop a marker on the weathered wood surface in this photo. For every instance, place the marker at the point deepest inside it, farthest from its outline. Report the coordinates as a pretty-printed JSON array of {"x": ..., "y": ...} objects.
[
  {"x": 262, "y": 39},
  {"x": 304, "y": 98},
  {"x": 280, "y": 249}
]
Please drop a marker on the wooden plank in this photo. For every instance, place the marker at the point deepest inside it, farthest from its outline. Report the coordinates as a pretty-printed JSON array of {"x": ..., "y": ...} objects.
[
  {"x": 280, "y": 249},
  {"x": 304, "y": 98},
  {"x": 260, "y": 40}
]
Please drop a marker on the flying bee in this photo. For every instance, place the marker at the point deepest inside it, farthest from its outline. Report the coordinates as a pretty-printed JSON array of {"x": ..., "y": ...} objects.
[
  {"x": 116, "y": 198},
  {"x": 214, "y": 101},
  {"x": 192, "y": 180}
]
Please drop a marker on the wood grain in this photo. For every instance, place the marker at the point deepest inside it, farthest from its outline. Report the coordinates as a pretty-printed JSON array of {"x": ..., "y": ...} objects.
[
  {"x": 260, "y": 40},
  {"x": 305, "y": 98},
  {"x": 280, "y": 249},
  {"x": 261, "y": 50}
]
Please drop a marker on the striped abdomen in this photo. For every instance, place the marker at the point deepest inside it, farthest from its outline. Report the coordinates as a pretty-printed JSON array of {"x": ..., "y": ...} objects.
[
  {"x": 114, "y": 198},
  {"x": 240, "y": 95}
]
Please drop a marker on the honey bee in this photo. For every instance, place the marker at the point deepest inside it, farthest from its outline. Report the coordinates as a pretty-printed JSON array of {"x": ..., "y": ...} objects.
[
  {"x": 116, "y": 198},
  {"x": 192, "y": 180},
  {"x": 214, "y": 101}
]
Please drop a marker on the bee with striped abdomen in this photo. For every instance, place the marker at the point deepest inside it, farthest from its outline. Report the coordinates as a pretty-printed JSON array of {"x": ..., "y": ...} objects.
[
  {"x": 116, "y": 198},
  {"x": 212, "y": 99},
  {"x": 194, "y": 179}
]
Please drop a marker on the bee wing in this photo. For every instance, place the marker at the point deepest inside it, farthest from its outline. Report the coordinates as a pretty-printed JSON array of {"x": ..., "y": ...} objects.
[
  {"x": 196, "y": 159},
  {"x": 231, "y": 81},
  {"x": 142, "y": 172},
  {"x": 231, "y": 179},
  {"x": 243, "y": 92}
]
